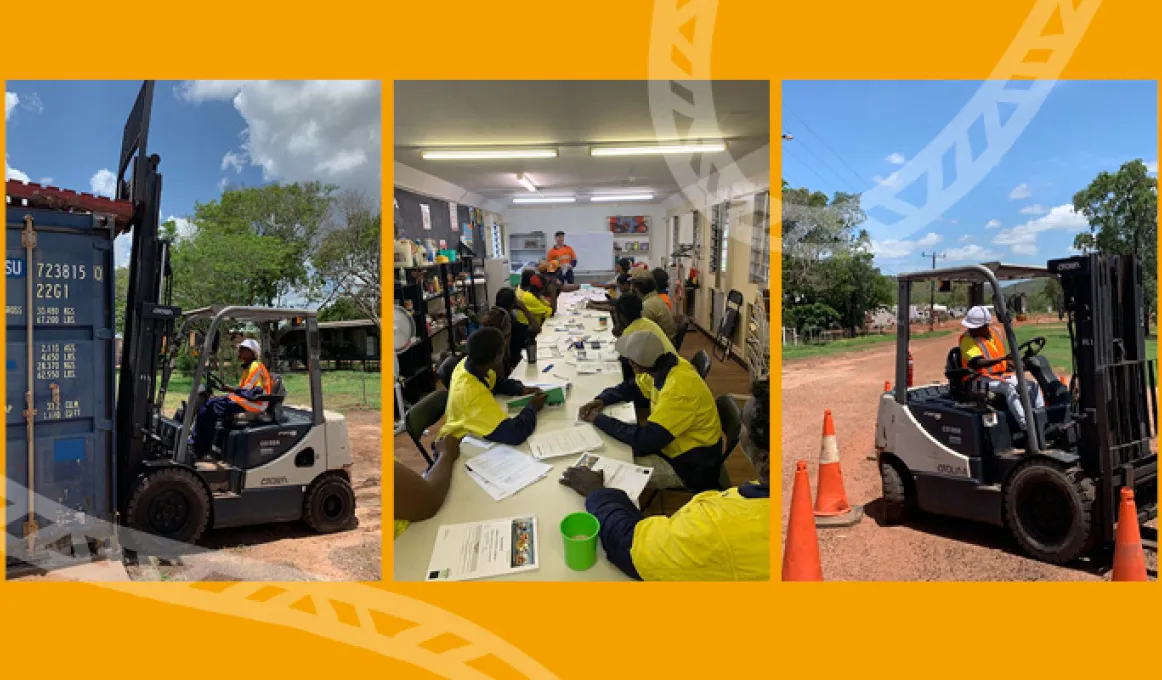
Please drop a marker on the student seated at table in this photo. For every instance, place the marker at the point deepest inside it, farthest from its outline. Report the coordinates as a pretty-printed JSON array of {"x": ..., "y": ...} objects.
[
  {"x": 419, "y": 497},
  {"x": 522, "y": 333},
  {"x": 716, "y": 536},
  {"x": 620, "y": 268},
  {"x": 471, "y": 406},
  {"x": 627, "y": 318},
  {"x": 532, "y": 295},
  {"x": 653, "y": 308},
  {"x": 624, "y": 288},
  {"x": 682, "y": 438},
  {"x": 662, "y": 282}
]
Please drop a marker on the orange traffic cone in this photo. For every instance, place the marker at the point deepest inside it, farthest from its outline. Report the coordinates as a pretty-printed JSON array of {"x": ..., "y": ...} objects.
[
  {"x": 801, "y": 551},
  {"x": 831, "y": 506},
  {"x": 887, "y": 386},
  {"x": 1129, "y": 560}
]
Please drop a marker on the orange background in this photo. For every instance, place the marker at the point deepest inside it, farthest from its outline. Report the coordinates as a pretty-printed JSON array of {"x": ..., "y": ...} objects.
[{"x": 587, "y": 630}]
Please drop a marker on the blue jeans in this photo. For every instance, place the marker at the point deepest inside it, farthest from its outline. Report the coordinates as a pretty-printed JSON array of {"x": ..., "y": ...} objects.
[
  {"x": 215, "y": 409},
  {"x": 566, "y": 277}
]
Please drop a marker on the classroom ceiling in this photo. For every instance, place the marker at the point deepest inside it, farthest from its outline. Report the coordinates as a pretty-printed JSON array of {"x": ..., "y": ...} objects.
[{"x": 570, "y": 116}]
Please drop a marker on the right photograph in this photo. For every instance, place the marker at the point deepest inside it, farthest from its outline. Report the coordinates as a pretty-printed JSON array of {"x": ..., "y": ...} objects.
[{"x": 969, "y": 330}]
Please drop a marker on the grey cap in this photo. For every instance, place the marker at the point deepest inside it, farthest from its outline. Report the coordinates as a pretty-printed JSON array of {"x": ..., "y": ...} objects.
[{"x": 643, "y": 348}]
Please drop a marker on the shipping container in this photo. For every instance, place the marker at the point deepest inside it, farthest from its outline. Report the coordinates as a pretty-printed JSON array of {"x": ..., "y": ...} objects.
[{"x": 71, "y": 278}]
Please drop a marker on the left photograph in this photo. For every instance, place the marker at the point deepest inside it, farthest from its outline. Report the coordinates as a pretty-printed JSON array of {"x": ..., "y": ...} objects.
[{"x": 192, "y": 365}]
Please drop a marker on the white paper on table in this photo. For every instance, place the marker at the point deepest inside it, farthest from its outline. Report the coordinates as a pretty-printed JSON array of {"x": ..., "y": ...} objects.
[
  {"x": 628, "y": 477},
  {"x": 476, "y": 443},
  {"x": 588, "y": 368},
  {"x": 626, "y": 412},
  {"x": 497, "y": 493},
  {"x": 483, "y": 549},
  {"x": 568, "y": 442},
  {"x": 611, "y": 367},
  {"x": 507, "y": 468}
]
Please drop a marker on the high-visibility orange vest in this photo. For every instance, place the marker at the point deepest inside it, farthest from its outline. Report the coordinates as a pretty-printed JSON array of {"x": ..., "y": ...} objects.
[
  {"x": 256, "y": 375},
  {"x": 992, "y": 347}
]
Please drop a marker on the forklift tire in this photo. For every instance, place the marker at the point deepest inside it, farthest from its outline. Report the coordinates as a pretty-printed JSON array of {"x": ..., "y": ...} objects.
[
  {"x": 170, "y": 504},
  {"x": 1049, "y": 511},
  {"x": 330, "y": 505},
  {"x": 895, "y": 491}
]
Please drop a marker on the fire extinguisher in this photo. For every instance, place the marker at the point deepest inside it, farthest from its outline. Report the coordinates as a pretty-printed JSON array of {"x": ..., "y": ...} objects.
[{"x": 910, "y": 368}]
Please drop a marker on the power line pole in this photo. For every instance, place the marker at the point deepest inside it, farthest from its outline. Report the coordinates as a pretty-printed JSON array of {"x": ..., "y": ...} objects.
[{"x": 932, "y": 303}]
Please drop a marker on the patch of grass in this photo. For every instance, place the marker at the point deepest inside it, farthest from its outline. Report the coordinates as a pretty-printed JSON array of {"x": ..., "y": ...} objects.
[
  {"x": 343, "y": 391},
  {"x": 1057, "y": 345},
  {"x": 850, "y": 345}
]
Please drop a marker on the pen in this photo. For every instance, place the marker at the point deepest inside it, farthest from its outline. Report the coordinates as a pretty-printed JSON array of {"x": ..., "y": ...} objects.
[{"x": 547, "y": 368}]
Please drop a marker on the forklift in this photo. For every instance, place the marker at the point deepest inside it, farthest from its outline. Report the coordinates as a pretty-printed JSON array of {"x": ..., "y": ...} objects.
[
  {"x": 954, "y": 449},
  {"x": 284, "y": 464}
]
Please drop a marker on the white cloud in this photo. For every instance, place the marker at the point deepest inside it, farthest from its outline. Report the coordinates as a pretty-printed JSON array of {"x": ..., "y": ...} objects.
[
  {"x": 970, "y": 253},
  {"x": 894, "y": 249},
  {"x": 185, "y": 228},
  {"x": 892, "y": 180},
  {"x": 1024, "y": 249},
  {"x": 122, "y": 250},
  {"x": 1152, "y": 167},
  {"x": 31, "y": 102},
  {"x": 326, "y": 131},
  {"x": 993, "y": 224},
  {"x": 11, "y": 99},
  {"x": 896, "y": 158},
  {"x": 12, "y": 173},
  {"x": 232, "y": 161},
  {"x": 46, "y": 181},
  {"x": 966, "y": 238},
  {"x": 223, "y": 183},
  {"x": 1035, "y": 209},
  {"x": 1061, "y": 218},
  {"x": 104, "y": 183},
  {"x": 1020, "y": 191}
]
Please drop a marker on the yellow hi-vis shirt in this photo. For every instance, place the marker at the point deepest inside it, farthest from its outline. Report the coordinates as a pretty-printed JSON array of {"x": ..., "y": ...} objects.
[
  {"x": 717, "y": 536},
  {"x": 538, "y": 307},
  {"x": 471, "y": 407},
  {"x": 992, "y": 347},
  {"x": 685, "y": 407},
  {"x": 644, "y": 381}
]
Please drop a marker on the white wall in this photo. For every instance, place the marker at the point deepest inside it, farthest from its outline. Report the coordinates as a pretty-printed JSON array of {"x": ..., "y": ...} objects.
[
  {"x": 577, "y": 219},
  {"x": 417, "y": 181}
]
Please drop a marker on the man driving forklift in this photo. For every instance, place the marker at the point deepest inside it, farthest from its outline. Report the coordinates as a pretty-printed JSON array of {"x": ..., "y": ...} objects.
[
  {"x": 982, "y": 350},
  {"x": 255, "y": 381}
]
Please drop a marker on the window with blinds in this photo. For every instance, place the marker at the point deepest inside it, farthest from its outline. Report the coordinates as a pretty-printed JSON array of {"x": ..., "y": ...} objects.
[{"x": 760, "y": 242}]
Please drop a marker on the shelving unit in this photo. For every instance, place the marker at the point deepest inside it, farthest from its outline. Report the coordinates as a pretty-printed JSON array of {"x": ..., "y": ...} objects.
[{"x": 528, "y": 247}]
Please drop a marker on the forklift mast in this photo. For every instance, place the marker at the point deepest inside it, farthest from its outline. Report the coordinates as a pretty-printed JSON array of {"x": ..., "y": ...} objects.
[
  {"x": 1117, "y": 407},
  {"x": 149, "y": 318}
]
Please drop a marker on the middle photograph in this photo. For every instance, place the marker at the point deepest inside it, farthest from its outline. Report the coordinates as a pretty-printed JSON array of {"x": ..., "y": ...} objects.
[{"x": 582, "y": 381}]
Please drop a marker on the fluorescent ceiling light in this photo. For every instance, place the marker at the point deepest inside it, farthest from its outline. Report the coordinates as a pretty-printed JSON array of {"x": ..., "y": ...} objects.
[
  {"x": 621, "y": 197},
  {"x": 485, "y": 154},
  {"x": 546, "y": 199},
  {"x": 708, "y": 147},
  {"x": 527, "y": 183}
]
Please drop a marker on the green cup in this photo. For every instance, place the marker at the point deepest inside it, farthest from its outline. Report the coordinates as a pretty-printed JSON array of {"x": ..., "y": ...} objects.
[{"x": 580, "y": 533}]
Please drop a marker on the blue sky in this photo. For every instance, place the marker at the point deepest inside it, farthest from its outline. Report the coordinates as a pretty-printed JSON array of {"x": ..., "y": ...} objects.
[
  {"x": 207, "y": 133},
  {"x": 849, "y": 135}
]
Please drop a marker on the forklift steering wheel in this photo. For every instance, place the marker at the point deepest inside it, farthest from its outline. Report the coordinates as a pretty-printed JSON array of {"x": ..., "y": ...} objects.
[
  {"x": 215, "y": 383},
  {"x": 1032, "y": 347}
]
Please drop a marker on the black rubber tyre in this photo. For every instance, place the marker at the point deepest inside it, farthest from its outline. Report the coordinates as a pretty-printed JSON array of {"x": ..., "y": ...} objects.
[
  {"x": 897, "y": 505},
  {"x": 170, "y": 504},
  {"x": 1049, "y": 511},
  {"x": 329, "y": 505}
]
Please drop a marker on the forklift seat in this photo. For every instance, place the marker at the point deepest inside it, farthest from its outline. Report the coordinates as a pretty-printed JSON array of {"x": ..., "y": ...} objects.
[{"x": 273, "y": 401}]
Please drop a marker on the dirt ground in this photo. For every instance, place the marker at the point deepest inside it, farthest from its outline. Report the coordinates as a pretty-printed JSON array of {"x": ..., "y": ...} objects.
[
  {"x": 928, "y": 548},
  {"x": 292, "y": 551}
]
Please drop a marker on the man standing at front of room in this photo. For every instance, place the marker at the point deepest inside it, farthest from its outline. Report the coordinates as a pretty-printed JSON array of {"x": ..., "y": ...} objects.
[
  {"x": 982, "y": 350},
  {"x": 565, "y": 256}
]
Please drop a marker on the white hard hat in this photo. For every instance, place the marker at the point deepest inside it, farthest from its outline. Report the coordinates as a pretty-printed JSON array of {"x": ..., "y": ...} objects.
[
  {"x": 977, "y": 317},
  {"x": 252, "y": 345}
]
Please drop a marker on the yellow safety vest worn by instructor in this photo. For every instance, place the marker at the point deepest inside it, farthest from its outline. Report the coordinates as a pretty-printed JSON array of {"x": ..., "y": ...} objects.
[{"x": 992, "y": 347}]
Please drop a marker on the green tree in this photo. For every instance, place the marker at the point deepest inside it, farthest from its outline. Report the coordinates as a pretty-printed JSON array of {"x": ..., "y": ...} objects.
[
  {"x": 347, "y": 261},
  {"x": 341, "y": 309},
  {"x": 250, "y": 247},
  {"x": 121, "y": 283},
  {"x": 1122, "y": 211}
]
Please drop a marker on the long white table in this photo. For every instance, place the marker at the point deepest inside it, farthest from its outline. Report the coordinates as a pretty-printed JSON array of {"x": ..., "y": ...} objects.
[{"x": 547, "y": 499}]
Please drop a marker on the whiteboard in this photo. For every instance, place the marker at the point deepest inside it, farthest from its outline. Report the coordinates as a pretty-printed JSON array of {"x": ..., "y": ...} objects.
[{"x": 594, "y": 250}]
